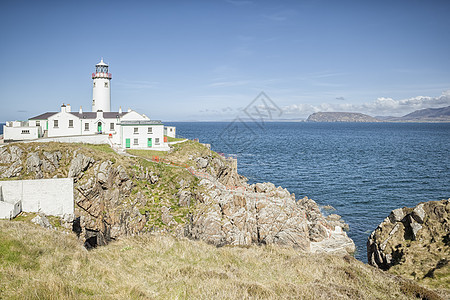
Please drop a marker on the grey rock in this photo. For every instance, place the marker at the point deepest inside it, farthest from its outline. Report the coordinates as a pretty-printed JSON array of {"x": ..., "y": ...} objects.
[
  {"x": 408, "y": 234},
  {"x": 53, "y": 158},
  {"x": 123, "y": 176},
  {"x": 184, "y": 198},
  {"x": 202, "y": 162},
  {"x": 270, "y": 216},
  {"x": 103, "y": 171},
  {"x": 5, "y": 156},
  {"x": 415, "y": 227},
  {"x": 396, "y": 215},
  {"x": 79, "y": 164},
  {"x": 41, "y": 220},
  {"x": 16, "y": 153},
  {"x": 166, "y": 216},
  {"x": 34, "y": 164},
  {"x": 418, "y": 213},
  {"x": 13, "y": 170}
]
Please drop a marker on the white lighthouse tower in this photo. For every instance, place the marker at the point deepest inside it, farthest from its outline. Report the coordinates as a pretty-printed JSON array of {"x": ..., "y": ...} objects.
[{"x": 101, "y": 90}]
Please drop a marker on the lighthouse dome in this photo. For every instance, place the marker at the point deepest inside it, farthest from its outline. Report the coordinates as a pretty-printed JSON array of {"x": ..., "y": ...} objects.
[{"x": 101, "y": 63}]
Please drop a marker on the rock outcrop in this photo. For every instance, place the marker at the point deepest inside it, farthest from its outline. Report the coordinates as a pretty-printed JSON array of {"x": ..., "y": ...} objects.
[
  {"x": 414, "y": 242},
  {"x": 340, "y": 117},
  {"x": 116, "y": 196},
  {"x": 263, "y": 214}
]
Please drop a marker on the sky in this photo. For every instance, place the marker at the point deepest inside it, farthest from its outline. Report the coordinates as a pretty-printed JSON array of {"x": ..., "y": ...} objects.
[{"x": 209, "y": 60}]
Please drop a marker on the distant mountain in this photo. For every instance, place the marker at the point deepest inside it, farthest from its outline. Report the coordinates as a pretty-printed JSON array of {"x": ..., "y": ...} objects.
[
  {"x": 340, "y": 117},
  {"x": 426, "y": 115}
]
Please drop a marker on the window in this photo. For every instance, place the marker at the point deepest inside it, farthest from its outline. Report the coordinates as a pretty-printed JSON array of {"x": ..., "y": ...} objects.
[
  {"x": 149, "y": 130},
  {"x": 111, "y": 126},
  {"x": 135, "y": 142},
  {"x": 171, "y": 129},
  {"x": 25, "y": 132},
  {"x": 55, "y": 123},
  {"x": 106, "y": 84},
  {"x": 156, "y": 141},
  {"x": 86, "y": 126},
  {"x": 93, "y": 102},
  {"x": 38, "y": 123},
  {"x": 70, "y": 123},
  {"x": 94, "y": 84},
  {"x": 136, "y": 130}
]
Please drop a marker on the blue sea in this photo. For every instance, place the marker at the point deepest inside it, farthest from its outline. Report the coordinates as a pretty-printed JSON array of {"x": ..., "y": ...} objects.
[{"x": 363, "y": 170}]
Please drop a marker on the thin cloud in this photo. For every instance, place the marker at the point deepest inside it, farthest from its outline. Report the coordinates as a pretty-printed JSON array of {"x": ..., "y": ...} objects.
[
  {"x": 340, "y": 98},
  {"x": 239, "y": 3},
  {"x": 137, "y": 84},
  {"x": 229, "y": 83},
  {"x": 379, "y": 107},
  {"x": 281, "y": 15}
]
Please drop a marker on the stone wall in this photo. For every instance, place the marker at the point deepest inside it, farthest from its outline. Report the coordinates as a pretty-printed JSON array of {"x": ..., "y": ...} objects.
[{"x": 48, "y": 196}]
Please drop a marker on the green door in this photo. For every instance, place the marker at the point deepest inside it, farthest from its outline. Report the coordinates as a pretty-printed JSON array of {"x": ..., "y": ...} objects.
[
  {"x": 99, "y": 127},
  {"x": 149, "y": 142},
  {"x": 127, "y": 143}
]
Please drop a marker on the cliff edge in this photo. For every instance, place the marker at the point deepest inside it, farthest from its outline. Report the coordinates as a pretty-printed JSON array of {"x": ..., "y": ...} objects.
[{"x": 189, "y": 191}]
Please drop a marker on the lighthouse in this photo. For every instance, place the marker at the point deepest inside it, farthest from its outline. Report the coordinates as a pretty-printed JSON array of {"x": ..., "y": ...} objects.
[{"x": 101, "y": 90}]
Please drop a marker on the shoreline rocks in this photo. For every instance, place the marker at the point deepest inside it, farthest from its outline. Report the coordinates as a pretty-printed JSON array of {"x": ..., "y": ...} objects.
[{"x": 414, "y": 242}]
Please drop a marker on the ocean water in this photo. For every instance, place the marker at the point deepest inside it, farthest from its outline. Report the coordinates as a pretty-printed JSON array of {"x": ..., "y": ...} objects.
[{"x": 363, "y": 170}]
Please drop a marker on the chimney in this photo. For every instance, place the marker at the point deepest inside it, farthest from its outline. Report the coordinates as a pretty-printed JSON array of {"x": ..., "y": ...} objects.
[
  {"x": 120, "y": 109},
  {"x": 63, "y": 108},
  {"x": 81, "y": 110},
  {"x": 129, "y": 109},
  {"x": 68, "y": 108}
]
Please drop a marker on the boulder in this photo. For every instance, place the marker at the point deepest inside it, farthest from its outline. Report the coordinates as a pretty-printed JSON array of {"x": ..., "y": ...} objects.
[
  {"x": 202, "y": 162},
  {"x": 412, "y": 240},
  {"x": 41, "y": 220},
  {"x": 34, "y": 164}
]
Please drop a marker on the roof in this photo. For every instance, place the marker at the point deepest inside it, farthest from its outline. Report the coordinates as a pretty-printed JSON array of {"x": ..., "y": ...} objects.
[
  {"x": 43, "y": 116},
  {"x": 102, "y": 63},
  {"x": 93, "y": 115},
  {"x": 84, "y": 115},
  {"x": 141, "y": 122}
]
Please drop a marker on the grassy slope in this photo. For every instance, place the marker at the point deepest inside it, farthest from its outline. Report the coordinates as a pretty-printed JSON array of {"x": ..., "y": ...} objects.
[{"x": 36, "y": 263}]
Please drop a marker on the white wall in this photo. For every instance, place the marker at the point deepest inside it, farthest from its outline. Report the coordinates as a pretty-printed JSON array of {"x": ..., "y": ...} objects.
[
  {"x": 87, "y": 139},
  {"x": 170, "y": 131},
  {"x": 157, "y": 132},
  {"x": 20, "y": 133},
  {"x": 49, "y": 196},
  {"x": 63, "y": 128},
  {"x": 101, "y": 95}
]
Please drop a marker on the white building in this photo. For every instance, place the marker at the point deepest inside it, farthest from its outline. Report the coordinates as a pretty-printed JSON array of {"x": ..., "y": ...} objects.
[
  {"x": 170, "y": 131},
  {"x": 125, "y": 129}
]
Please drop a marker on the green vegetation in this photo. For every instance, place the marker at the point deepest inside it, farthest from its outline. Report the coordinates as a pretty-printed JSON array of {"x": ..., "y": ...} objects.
[
  {"x": 172, "y": 139},
  {"x": 36, "y": 263}
]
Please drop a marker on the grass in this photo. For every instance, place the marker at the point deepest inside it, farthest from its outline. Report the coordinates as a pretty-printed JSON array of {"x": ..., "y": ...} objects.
[
  {"x": 36, "y": 263},
  {"x": 172, "y": 139}
]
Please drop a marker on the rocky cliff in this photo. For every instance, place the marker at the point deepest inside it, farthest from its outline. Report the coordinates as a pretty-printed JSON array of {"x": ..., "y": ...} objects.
[
  {"x": 415, "y": 243},
  {"x": 191, "y": 191},
  {"x": 340, "y": 117}
]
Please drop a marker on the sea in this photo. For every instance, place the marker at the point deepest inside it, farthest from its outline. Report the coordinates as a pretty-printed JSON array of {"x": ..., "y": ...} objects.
[{"x": 363, "y": 170}]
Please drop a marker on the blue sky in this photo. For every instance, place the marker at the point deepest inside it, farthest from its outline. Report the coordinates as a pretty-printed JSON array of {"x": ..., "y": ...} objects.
[{"x": 207, "y": 60}]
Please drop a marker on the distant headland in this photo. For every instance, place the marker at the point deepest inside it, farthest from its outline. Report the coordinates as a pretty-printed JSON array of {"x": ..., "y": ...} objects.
[{"x": 432, "y": 115}]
